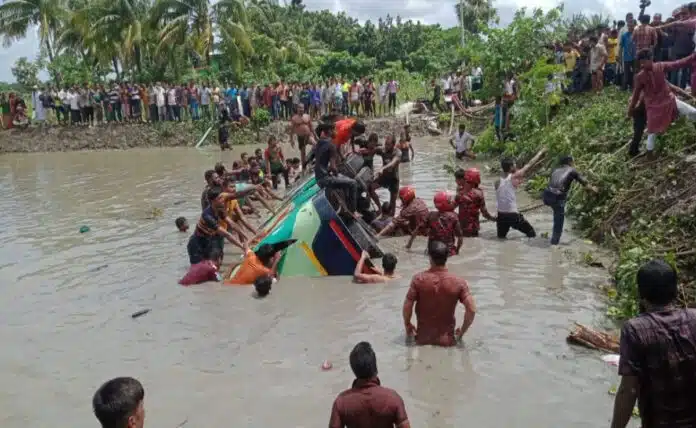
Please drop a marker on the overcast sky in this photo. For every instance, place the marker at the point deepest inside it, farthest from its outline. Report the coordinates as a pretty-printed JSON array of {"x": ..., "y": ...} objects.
[{"x": 427, "y": 11}]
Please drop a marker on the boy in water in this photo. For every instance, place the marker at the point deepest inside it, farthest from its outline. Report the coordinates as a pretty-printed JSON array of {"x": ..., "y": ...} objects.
[
  {"x": 388, "y": 265},
  {"x": 262, "y": 285},
  {"x": 205, "y": 271},
  {"x": 471, "y": 201},
  {"x": 182, "y": 224},
  {"x": 255, "y": 264}
]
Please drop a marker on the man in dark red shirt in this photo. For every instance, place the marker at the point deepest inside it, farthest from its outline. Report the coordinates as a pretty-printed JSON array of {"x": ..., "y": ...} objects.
[
  {"x": 367, "y": 404},
  {"x": 435, "y": 293},
  {"x": 658, "y": 355}
]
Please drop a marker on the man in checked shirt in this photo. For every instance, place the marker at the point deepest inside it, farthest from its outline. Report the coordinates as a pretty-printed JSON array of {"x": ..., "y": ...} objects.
[
  {"x": 645, "y": 35},
  {"x": 658, "y": 355}
]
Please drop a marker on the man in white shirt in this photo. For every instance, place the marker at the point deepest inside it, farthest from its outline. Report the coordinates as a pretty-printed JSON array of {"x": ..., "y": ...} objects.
[
  {"x": 206, "y": 94},
  {"x": 160, "y": 95},
  {"x": 382, "y": 98},
  {"x": 462, "y": 143},
  {"x": 173, "y": 106},
  {"x": 74, "y": 102}
]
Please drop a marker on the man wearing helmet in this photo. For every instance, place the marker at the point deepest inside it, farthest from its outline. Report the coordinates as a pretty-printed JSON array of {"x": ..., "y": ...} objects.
[
  {"x": 414, "y": 213},
  {"x": 387, "y": 177},
  {"x": 471, "y": 201},
  {"x": 442, "y": 225}
]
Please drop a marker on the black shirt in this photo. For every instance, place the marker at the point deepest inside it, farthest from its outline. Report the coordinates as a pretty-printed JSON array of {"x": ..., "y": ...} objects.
[
  {"x": 324, "y": 152},
  {"x": 388, "y": 156},
  {"x": 562, "y": 178}
]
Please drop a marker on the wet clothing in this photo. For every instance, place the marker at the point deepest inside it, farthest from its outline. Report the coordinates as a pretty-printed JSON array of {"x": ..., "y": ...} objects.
[
  {"x": 508, "y": 216},
  {"x": 367, "y": 404},
  {"x": 324, "y": 152},
  {"x": 436, "y": 293},
  {"x": 405, "y": 152},
  {"x": 660, "y": 349},
  {"x": 380, "y": 223},
  {"x": 250, "y": 269},
  {"x": 205, "y": 237},
  {"x": 389, "y": 178},
  {"x": 199, "y": 273},
  {"x": 561, "y": 179},
  {"x": 412, "y": 216},
  {"x": 470, "y": 204},
  {"x": 443, "y": 227}
]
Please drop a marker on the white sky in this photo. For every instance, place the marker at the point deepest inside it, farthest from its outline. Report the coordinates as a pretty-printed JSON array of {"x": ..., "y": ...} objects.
[{"x": 427, "y": 11}]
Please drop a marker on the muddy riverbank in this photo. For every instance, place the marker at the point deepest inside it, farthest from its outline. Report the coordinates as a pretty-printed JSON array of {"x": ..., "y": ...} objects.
[
  {"x": 214, "y": 356},
  {"x": 160, "y": 135}
]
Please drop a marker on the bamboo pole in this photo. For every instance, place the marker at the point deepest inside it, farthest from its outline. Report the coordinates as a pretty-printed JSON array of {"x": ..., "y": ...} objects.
[
  {"x": 451, "y": 121},
  {"x": 204, "y": 137}
]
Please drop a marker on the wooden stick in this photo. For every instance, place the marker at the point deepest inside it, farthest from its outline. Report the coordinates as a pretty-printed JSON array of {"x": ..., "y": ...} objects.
[
  {"x": 451, "y": 121},
  {"x": 681, "y": 92}
]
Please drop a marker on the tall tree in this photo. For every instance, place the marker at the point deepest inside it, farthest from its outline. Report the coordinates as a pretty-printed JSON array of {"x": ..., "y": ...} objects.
[
  {"x": 474, "y": 15},
  {"x": 19, "y": 16}
]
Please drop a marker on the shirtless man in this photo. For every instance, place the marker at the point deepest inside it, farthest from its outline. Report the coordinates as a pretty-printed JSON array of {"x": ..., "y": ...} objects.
[
  {"x": 435, "y": 294},
  {"x": 301, "y": 125},
  {"x": 388, "y": 264}
]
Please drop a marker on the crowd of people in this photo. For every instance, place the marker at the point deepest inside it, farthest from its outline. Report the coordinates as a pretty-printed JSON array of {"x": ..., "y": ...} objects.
[{"x": 126, "y": 102}]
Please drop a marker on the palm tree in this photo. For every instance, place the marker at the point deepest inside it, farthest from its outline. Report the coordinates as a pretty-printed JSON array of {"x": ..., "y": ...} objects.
[
  {"x": 472, "y": 13},
  {"x": 18, "y": 16}
]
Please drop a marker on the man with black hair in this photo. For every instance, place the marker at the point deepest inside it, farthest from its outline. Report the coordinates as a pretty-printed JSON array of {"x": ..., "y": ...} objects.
[
  {"x": 262, "y": 262},
  {"x": 388, "y": 265},
  {"x": 645, "y": 36},
  {"x": 367, "y": 404},
  {"x": 325, "y": 168},
  {"x": 658, "y": 355},
  {"x": 212, "y": 179},
  {"x": 556, "y": 193},
  {"x": 263, "y": 285},
  {"x": 119, "y": 403},
  {"x": 506, "y": 197},
  {"x": 435, "y": 294}
]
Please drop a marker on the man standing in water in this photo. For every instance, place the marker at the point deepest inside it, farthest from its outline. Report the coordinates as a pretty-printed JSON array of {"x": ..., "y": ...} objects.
[
  {"x": 658, "y": 355},
  {"x": 388, "y": 176},
  {"x": 388, "y": 265},
  {"x": 367, "y": 404},
  {"x": 556, "y": 194},
  {"x": 506, "y": 196},
  {"x": 435, "y": 294},
  {"x": 301, "y": 125},
  {"x": 118, "y": 403}
]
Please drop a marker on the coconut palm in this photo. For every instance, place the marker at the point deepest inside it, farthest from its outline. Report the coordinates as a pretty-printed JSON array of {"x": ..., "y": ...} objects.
[{"x": 18, "y": 16}]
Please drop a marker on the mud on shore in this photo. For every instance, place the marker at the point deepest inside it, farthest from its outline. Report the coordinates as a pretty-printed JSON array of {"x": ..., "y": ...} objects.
[{"x": 168, "y": 134}]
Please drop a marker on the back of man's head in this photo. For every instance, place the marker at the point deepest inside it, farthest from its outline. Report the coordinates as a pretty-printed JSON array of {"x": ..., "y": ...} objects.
[
  {"x": 438, "y": 252},
  {"x": 657, "y": 282},
  {"x": 117, "y": 400},
  {"x": 363, "y": 361}
]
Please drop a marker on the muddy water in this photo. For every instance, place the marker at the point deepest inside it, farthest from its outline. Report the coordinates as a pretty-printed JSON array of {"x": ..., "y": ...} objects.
[{"x": 216, "y": 357}]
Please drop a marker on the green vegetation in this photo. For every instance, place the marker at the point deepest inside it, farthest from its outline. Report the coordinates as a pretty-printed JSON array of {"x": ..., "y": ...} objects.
[{"x": 644, "y": 209}]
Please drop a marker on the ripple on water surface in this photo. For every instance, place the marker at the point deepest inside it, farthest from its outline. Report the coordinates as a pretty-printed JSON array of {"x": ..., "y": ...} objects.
[{"x": 217, "y": 357}]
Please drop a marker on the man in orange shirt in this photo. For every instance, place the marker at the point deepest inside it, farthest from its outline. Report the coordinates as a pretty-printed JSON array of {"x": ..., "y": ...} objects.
[
  {"x": 258, "y": 263},
  {"x": 346, "y": 131}
]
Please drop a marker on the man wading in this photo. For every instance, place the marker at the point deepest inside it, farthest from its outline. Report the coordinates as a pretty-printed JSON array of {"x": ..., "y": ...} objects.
[
  {"x": 556, "y": 193},
  {"x": 367, "y": 404},
  {"x": 435, "y": 294},
  {"x": 658, "y": 355},
  {"x": 506, "y": 196}
]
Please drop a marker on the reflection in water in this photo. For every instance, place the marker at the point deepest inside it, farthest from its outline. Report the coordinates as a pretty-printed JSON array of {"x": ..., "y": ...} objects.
[{"x": 215, "y": 356}]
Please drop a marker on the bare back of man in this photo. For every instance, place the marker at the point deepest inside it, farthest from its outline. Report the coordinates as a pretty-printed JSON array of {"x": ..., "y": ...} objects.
[{"x": 301, "y": 125}]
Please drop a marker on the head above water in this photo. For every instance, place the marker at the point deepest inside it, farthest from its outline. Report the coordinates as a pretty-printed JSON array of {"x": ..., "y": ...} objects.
[
  {"x": 657, "y": 283},
  {"x": 385, "y": 209},
  {"x": 439, "y": 253},
  {"x": 216, "y": 256},
  {"x": 263, "y": 285},
  {"x": 389, "y": 261},
  {"x": 181, "y": 224},
  {"x": 220, "y": 169},
  {"x": 363, "y": 361},
  {"x": 118, "y": 403}
]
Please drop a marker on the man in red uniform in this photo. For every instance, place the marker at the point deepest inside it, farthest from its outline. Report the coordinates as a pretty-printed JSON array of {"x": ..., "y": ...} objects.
[
  {"x": 442, "y": 225},
  {"x": 470, "y": 201},
  {"x": 435, "y": 294},
  {"x": 367, "y": 404},
  {"x": 414, "y": 213}
]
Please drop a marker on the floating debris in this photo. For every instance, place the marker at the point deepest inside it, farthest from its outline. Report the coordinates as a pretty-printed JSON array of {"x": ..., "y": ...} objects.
[
  {"x": 140, "y": 313},
  {"x": 84, "y": 229}
]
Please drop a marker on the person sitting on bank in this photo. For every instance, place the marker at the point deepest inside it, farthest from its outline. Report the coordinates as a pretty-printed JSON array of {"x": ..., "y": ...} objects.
[
  {"x": 556, "y": 193},
  {"x": 414, "y": 213},
  {"x": 325, "y": 169},
  {"x": 119, "y": 403},
  {"x": 367, "y": 403},
  {"x": 255, "y": 264},
  {"x": 463, "y": 143},
  {"x": 388, "y": 265}
]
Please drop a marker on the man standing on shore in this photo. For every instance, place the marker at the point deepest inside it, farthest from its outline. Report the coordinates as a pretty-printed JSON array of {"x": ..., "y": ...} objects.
[
  {"x": 301, "y": 125},
  {"x": 367, "y": 404},
  {"x": 435, "y": 294},
  {"x": 658, "y": 355}
]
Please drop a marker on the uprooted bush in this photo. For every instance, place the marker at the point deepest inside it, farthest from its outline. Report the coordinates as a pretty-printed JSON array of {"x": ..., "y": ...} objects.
[{"x": 644, "y": 208}]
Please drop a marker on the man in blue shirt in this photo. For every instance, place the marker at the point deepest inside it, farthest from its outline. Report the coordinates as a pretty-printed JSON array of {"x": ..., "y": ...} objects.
[
  {"x": 627, "y": 52},
  {"x": 326, "y": 154}
]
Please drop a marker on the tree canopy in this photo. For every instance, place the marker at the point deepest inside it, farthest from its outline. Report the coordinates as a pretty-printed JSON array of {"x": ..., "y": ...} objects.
[{"x": 259, "y": 40}]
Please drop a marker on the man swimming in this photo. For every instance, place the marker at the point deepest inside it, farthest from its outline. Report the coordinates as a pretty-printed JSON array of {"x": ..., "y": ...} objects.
[{"x": 388, "y": 265}]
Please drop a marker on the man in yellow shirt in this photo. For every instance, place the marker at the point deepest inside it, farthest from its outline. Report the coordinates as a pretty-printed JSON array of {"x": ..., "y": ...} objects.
[
  {"x": 570, "y": 57},
  {"x": 612, "y": 46}
]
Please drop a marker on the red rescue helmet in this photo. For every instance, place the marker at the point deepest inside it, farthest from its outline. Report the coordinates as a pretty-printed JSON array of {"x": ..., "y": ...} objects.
[
  {"x": 407, "y": 194},
  {"x": 444, "y": 201},
  {"x": 472, "y": 176}
]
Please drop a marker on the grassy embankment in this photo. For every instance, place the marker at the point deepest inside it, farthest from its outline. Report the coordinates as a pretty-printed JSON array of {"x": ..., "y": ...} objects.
[{"x": 644, "y": 208}]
